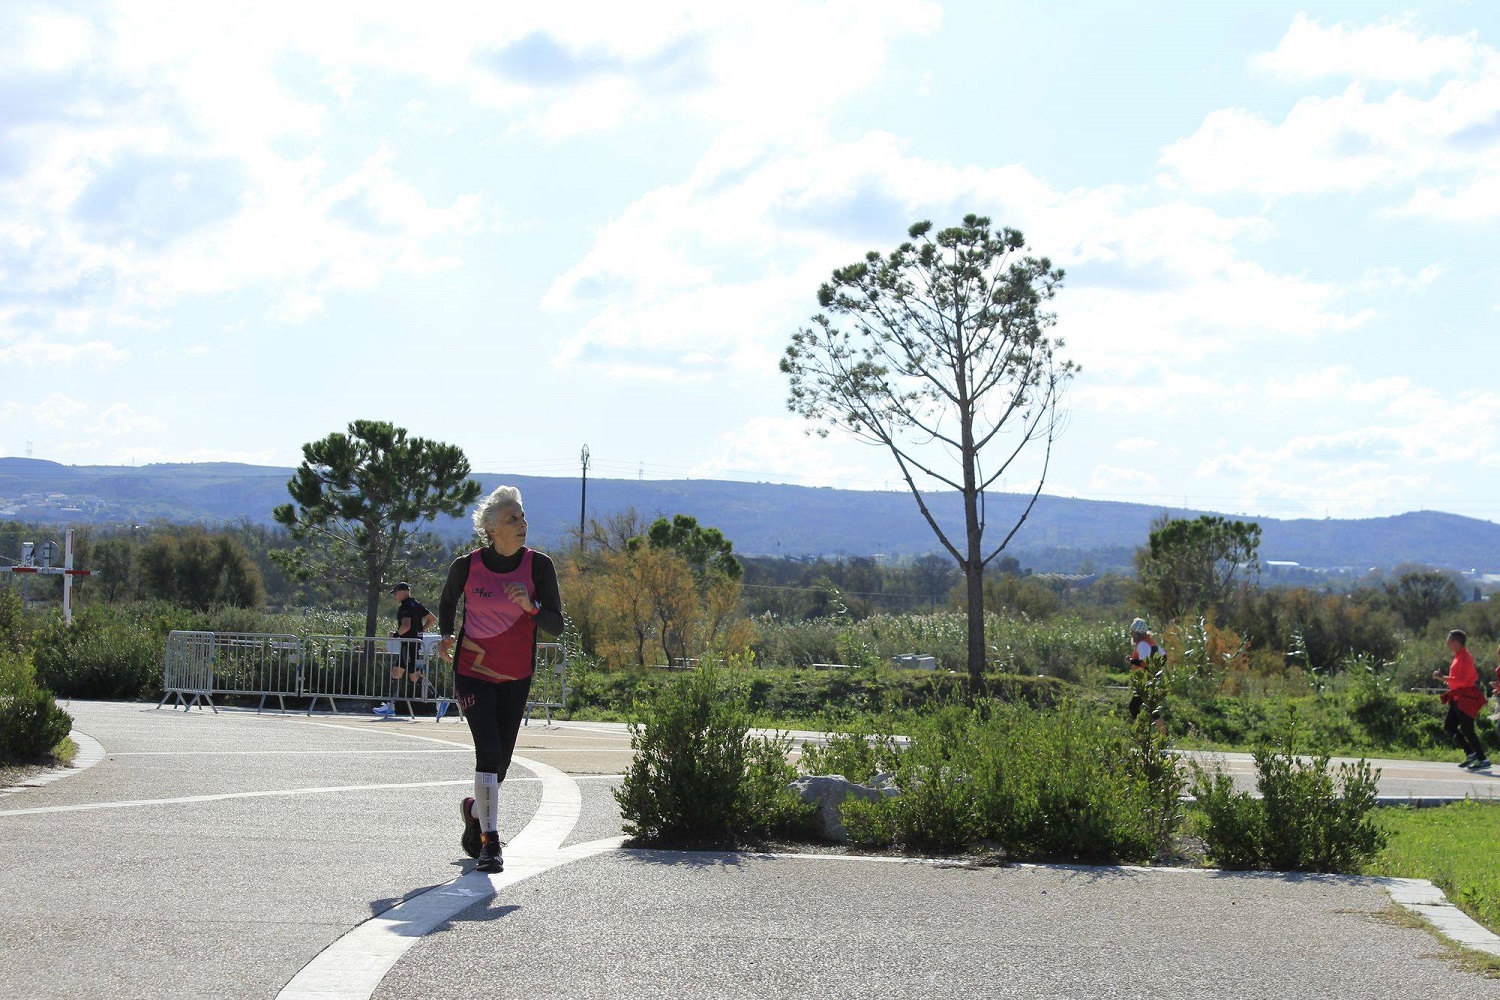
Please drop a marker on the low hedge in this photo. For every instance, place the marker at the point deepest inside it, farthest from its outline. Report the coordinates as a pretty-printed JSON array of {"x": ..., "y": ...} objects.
[{"x": 784, "y": 695}]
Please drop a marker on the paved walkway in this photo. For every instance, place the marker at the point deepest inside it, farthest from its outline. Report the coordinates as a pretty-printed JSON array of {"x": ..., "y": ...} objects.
[{"x": 264, "y": 856}]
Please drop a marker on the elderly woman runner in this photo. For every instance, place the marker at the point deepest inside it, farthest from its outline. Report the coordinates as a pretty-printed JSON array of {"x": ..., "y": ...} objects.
[{"x": 509, "y": 592}]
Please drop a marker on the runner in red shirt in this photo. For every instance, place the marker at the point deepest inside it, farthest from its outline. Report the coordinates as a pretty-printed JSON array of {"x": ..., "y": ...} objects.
[{"x": 1464, "y": 699}]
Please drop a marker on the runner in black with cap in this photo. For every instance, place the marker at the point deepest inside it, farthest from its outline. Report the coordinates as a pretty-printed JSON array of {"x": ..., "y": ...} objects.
[
  {"x": 411, "y": 618},
  {"x": 508, "y": 593}
]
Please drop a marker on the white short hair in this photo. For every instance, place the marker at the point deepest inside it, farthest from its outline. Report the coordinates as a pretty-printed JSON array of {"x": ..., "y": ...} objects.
[{"x": 484, "y": 514}]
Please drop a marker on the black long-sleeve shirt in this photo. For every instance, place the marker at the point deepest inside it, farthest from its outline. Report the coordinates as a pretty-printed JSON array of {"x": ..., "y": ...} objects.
[{"x": 543, "y": 583}]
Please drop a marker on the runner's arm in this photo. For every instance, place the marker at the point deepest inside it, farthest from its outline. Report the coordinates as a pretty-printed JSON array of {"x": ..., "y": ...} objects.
[
  {"x": 544, "y": 581},
  {"x": 453, "y": 587}
]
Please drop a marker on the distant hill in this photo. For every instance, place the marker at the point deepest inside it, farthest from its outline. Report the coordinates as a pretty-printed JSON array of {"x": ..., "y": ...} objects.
[{"x": 760, "y": 518}]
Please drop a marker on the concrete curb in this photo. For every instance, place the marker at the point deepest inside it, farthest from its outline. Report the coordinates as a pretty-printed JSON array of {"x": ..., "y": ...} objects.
[
  {"x": 1421, "y": 897},
  {"x": 90, "y": 752}
]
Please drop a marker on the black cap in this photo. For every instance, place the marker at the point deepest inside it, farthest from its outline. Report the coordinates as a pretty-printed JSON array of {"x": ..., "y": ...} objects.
[{"x": 400, "y": 587}]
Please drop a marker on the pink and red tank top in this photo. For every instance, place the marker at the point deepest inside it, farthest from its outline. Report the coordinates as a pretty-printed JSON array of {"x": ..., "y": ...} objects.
[{"x": 499, "y": 639}]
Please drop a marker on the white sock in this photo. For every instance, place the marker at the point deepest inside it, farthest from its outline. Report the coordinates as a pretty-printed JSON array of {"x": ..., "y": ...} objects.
[{"x": 487, "y": 800}]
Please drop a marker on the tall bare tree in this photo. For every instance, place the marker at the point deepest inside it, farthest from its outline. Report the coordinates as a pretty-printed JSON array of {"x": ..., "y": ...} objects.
[{"x": 938, "y": 351}]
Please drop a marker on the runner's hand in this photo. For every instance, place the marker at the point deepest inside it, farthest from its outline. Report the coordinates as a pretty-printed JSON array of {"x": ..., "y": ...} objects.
[{"x": 517, "y": 593}]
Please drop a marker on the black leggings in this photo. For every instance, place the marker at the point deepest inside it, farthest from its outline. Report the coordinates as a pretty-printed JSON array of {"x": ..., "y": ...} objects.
[
  {"x": 493, "y": 712},
  {"x": 1460, "y": 726}
]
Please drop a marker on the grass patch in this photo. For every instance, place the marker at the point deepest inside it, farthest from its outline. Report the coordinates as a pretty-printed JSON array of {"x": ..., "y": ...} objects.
[
  {"x": 1453, "y": 847},
  {"x": 65, "y": 752},
  {"x": 17, "y": 773}
]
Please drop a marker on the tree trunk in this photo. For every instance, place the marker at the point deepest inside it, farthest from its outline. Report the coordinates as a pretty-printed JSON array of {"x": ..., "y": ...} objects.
[
  {"x": 974, "y": 578},
  {"x": 974, "y": 541},
  {"x": 372, "y": 599}
]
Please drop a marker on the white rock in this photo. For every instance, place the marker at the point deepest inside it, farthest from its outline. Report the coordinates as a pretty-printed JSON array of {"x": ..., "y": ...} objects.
[{"x": 828, "y": 792}]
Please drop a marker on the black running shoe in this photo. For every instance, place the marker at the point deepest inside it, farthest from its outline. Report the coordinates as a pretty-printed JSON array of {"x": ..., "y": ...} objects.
[
  {"x": 489, "y": 855},
  {"x": 471, "y": 835}
]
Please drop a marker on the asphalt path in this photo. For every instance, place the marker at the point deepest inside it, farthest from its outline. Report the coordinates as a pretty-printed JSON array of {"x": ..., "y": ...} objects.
[
  {"x": 244, "y": 855},
  {"x": 1414, "y": 781}
]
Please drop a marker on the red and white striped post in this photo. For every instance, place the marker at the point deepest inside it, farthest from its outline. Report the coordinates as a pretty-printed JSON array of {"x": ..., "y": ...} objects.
[{"x": 66, "y": 571}]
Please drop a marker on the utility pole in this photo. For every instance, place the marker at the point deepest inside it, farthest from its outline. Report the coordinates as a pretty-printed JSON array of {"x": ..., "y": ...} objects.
[{"x": 583, "y": 500}]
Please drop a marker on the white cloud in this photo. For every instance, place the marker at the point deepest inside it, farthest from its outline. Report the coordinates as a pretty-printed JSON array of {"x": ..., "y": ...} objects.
[
  {"x": 58, "y": 410},
  {"x": 1137, "y": 446},
  {"x": 729, "y": 259},
  {"x": 1392, "y": 49},
  {"x": 1463, "y": 202},
  {"x": 612, "y": 67},
  {"x": 1115, "y": 480},
  {"x": 1440, "y": 147},
  {"x": 122, "y": 418},
  {"x": 298, "y": 307},
  {"x": 1410, "y": 443},
  {"x": 781, "y": 447},
  {"x": 1387, "y": 278},
  {"x": 152, "y": 166},
  {"x": 1336, "y": 384},
  {"x": 37, "y": 353},
  {"x": 188, "y": 159}
]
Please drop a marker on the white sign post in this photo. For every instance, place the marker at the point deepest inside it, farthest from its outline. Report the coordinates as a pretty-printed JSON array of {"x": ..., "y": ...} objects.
[{"x": 47, "y": 552}]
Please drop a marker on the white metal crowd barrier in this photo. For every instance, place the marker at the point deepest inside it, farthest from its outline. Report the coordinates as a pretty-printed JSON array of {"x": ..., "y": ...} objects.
[{"x": 332, "y": 668}]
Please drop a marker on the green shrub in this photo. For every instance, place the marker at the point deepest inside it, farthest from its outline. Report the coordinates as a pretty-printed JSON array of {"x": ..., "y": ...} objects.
[
  {"x": 1390, "y": 718},
  {"x": 1318, "y": 630},
  {"x": 858, "y": 756},
  {"x": 1078, "y": 785},
  {"x": 698, "y": 778},
  {"x": 869, "y": 823},
  {"x": 1064, "y": 648},
  {"x": 31, "y": 724},
  {"x": 812, "y": 697},
  {"x": 767, "y": 807},
  {"x": 1301, "y": 822},
  {"x": 14, "y": 627},
  {"x": 1068, "y": 784},
  {"x": 104, "y": 653}
]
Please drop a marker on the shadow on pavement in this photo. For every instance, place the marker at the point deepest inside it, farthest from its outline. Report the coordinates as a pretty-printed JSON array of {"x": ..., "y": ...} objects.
[
  {"x": 478, "y": 914},
  {"x": 686, "y": 859}
]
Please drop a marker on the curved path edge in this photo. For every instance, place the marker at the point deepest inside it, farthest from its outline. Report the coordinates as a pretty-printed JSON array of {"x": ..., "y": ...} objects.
[
  {"x": 1421, "y": 897},
  {"x": 90, "y": 752},
  {"x": 352, "y": 967}
]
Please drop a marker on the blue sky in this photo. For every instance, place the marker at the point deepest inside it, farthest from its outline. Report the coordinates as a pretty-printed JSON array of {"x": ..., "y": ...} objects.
[{"x": 227, "y": 229}]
